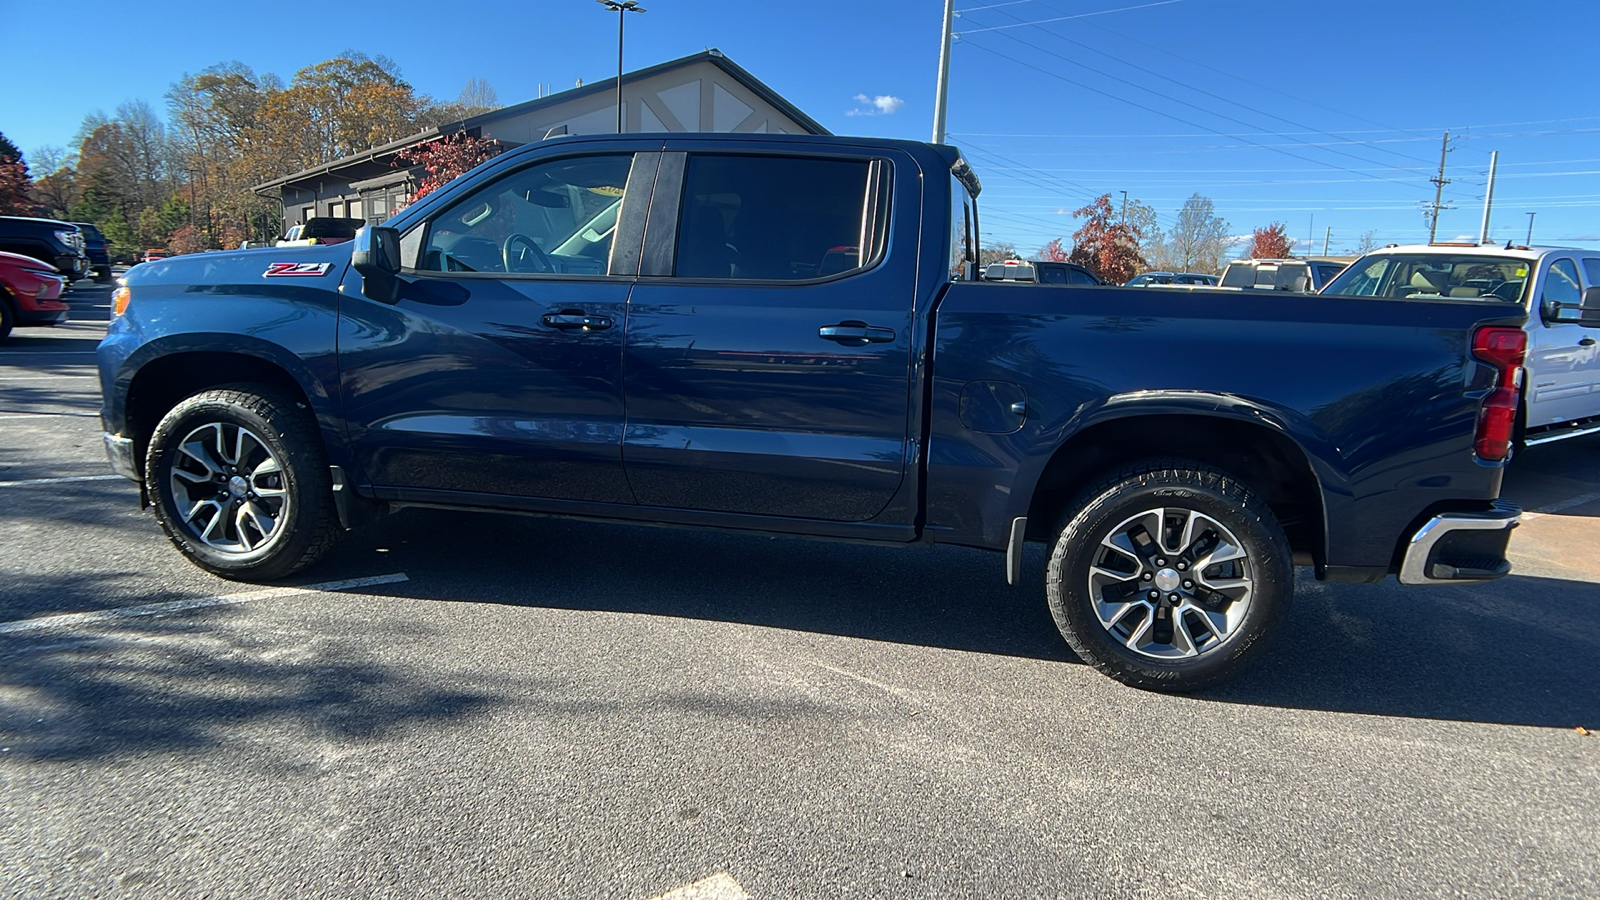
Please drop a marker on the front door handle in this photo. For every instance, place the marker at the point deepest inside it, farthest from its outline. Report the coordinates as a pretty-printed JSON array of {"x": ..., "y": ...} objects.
[
  {"x": 1586, "y": 342},
  {"x": 855, "y": 334},
  {"x": 575, "y": 320}
]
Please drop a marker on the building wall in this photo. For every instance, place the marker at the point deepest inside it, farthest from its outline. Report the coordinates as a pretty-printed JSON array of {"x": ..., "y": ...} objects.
[{"x": 700, "y": 98}]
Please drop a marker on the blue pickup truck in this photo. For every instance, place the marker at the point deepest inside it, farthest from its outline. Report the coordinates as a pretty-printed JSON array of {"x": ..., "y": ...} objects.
[{"x": 787, "y": 334}]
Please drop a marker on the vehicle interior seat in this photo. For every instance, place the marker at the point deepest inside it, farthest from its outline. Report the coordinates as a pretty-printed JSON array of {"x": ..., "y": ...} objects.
[
  {"x": 1469, "y": 292},
  {"x": 1425, "y": 282},
  {"x": 1292, "y": 278}
]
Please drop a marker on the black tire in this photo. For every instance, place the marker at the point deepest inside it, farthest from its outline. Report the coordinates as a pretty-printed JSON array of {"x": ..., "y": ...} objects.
[
  {"x": 8, "y": 316},
  {"x": 1087, "y": 579},
  {"x": 279, "y": 430}
]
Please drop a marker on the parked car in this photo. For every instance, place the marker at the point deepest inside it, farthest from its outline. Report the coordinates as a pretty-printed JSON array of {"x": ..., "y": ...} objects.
[
  {"x": 1051, "y": 272},
  {"x": 1151, "y": 279},
  {"x": 638, "y": 328},
  {"x": 30, "y": 292},
  {"x": 94, "y": 247},
  {"x": 58, "y": 243},
  {"x": 1040, "y": 272},
  {"x": 154, "y": 254},
  {"x": 1556, "y": 285},
  {"x": 1298, "y": 275}
]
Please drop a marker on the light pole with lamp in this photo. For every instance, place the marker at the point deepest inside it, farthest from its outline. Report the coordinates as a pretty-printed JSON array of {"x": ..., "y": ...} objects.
[{"x": 621, "y": 8}]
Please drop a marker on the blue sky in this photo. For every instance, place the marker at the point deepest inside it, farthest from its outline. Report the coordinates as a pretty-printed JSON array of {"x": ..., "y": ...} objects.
[{"x": 1316, "y": 115}]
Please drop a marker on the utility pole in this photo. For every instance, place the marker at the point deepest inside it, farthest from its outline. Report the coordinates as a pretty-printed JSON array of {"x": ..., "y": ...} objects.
[
  {"x": 1326, "y": 237},
  {"x": 1530, "y": 229},
  {"x": 1488, "y": 198},
  {"x": 621, "y": 8},
  {"x": 1439, "y": 181},
  {"x": 941, "y": 92},
  {"x": 1124, "y": 207}
]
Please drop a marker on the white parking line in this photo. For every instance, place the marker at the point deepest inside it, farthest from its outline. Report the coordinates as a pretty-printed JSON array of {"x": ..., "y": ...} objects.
[
  {"x": 9, "y": 378},
  {"x": 73, "y": 620},
  {"x": 1569, "y": 503},
  {"x": 4, "y": 416},
  {"x": 33, "y": 481}
]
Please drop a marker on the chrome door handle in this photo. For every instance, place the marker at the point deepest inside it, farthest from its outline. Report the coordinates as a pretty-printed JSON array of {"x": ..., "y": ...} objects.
[
  {"x": 575, "y": 320},
  {"x": 855, "y": 334}
]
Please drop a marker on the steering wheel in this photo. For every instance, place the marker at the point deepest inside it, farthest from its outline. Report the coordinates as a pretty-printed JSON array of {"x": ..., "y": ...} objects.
[{"x": 539, "y": 256}]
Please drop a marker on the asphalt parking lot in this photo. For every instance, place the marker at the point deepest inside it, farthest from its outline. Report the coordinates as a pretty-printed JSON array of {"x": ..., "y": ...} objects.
[{"x": 478, "y": 705}]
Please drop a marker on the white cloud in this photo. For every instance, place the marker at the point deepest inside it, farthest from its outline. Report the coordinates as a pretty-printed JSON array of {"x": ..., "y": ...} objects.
[{"x": 881, "y": 105}]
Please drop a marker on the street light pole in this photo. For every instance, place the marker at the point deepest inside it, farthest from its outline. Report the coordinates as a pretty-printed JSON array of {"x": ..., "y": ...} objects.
[
  {"x": 1530, "y": 228},
  {"x": 942, "y": 88},
  {"x": 621, "y": 8}
]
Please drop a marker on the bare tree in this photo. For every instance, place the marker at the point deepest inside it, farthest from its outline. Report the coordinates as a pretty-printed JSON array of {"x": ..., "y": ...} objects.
[
  {"x": 1368, "y": 243},
  {"x": 1199, "y": 237}
]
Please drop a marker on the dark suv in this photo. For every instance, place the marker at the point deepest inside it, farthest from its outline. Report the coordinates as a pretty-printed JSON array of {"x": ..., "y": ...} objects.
[
  {"x": 94, "y": 247},
  {"x": 60, "y": 244}
]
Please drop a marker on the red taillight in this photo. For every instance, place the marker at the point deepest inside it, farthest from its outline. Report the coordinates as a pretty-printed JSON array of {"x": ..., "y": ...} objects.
[{"x": 1505, "y": 349}]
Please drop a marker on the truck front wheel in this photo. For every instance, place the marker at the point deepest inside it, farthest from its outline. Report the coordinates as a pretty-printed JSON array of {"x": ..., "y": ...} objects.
[
  {"x": 240, "y": 483},
  {"x": 1168, "y": 575}
]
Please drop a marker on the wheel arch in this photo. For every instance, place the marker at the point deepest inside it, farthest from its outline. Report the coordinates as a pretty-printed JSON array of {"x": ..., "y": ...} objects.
[
  {"x": 152, "y": 386},
  {"x": 1257, "y": 448}
]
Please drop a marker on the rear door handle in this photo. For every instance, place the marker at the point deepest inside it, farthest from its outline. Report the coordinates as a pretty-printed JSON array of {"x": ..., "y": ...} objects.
[
  {"x": 575, "y": 320},
  {"x": 855, "y": 334}
]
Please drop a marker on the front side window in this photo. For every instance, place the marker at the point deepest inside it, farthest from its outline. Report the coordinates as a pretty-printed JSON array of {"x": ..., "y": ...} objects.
[
  {"x": 1561, "y": 285},
  {"x": 555, "y": 217},
  {"x": 777, "y": 218}
]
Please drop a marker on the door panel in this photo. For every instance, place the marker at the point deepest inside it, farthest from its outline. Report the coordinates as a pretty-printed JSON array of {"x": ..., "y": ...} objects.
[
  {"x": 776, "y": 381},
  {"x": 1562, "y": 369},
  {"x": 499, "y": 370},
  {"x": 461, "y": 387}
]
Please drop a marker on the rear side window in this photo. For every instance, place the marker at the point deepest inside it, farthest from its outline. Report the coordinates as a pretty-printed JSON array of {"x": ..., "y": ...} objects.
[
  {"x": 776, "y": 218},
  {"x": 1591, "y": 267}
]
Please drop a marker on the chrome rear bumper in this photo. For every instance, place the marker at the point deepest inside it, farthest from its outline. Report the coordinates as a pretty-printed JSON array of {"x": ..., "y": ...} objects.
[{"x": 1461, "y": 547}]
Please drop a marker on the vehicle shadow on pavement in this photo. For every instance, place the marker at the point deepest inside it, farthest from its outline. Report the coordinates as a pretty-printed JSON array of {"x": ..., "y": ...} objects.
[
  {"x": 192, "y": 681},
  {"x": 945, "y": 597},
  {"x": 1518, "y": 651}
]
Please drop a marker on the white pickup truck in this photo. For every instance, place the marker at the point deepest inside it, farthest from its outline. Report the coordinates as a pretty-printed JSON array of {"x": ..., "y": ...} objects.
[{"x": 1560, "y": 286}]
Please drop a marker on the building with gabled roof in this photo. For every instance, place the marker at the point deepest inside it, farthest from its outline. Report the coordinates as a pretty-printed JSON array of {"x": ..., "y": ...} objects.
[{"x": 706, "y": 92}]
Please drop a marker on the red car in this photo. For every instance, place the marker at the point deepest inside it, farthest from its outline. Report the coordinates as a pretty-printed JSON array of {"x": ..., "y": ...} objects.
[{"x": 29, "y": 293}]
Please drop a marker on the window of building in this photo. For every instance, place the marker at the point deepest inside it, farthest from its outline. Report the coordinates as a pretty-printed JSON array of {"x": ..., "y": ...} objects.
[
  {"x": 777, "y": 218},
  {"x": 355, "y": 210}
]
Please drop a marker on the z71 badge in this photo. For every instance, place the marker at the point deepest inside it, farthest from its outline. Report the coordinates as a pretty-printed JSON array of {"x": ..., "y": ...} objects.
[{"x": 286, "y": 269}]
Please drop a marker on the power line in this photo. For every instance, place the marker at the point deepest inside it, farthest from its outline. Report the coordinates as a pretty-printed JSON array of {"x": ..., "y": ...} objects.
[
  {"x": 1313, "y": 129},
  {"x": 1181, "y": 101},
  {"x": 1149, "y": 109},
  {"x": 1062, "y": 18}
]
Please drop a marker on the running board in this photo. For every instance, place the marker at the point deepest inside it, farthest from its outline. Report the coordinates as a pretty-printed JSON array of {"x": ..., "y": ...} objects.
[{"x": 1561, "y": 434}]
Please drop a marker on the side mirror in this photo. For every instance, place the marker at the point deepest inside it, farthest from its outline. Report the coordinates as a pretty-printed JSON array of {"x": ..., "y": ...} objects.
[
  {"x": 377, "y": 258},
  {"x": 1585, "y": 312}
]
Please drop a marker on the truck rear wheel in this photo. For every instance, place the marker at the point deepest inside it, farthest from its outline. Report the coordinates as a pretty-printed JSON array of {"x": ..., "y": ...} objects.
[
  {"x": 240, "y": 483},
  {"x": 1168, "y": 576}
]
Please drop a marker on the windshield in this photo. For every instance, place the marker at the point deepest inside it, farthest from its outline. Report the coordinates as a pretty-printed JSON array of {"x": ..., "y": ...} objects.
[{"x": 1434, "y": 275}]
